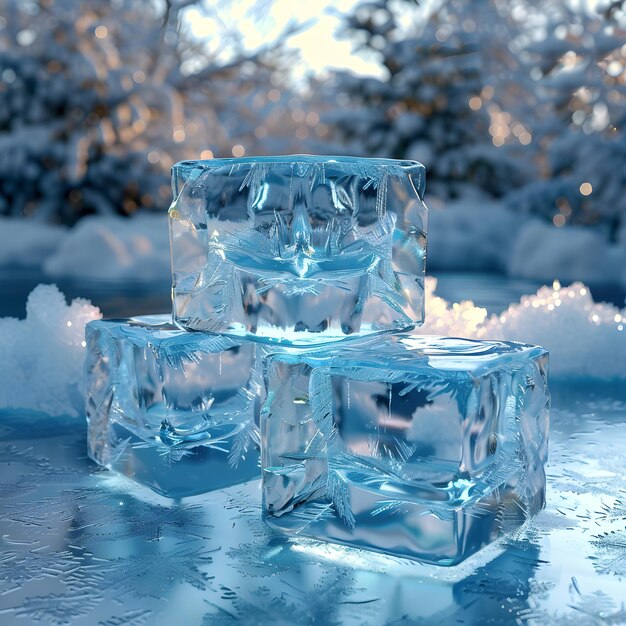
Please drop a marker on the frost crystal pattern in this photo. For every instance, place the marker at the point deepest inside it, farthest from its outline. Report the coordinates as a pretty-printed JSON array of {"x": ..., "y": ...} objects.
[
  {"x": 298, "y": 249},
  {"x": 421, "y": 447},
  {"x": 175, "y": 411}
]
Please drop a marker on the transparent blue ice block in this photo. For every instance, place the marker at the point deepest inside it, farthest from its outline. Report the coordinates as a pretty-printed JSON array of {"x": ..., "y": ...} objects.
[
  {"x": 175, "y": 411},
  {"x": 298, "y": 249},
  {"x": 420, "y": 447}
]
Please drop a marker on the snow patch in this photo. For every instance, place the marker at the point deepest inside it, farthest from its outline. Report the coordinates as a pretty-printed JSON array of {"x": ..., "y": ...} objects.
[
  {"x": 41, "y": 357},
  {"x": 585, "y": 339},
  {"x": 26, "y": 244},
  {"x": 114, "y": 249},
  {"x": 543, "y": 252},
  {"x": 471, "y": 235}
]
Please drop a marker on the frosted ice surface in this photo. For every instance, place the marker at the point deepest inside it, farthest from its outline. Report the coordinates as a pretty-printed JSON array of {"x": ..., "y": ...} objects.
[
  {"x": 173, "y": 410},
  {"x": 298, "y": 249},
  {"x": 41, "y": 357},
  {"x": 423, "y": 447}
]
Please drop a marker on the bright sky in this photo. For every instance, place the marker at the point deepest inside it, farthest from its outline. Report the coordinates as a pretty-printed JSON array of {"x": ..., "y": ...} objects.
[
  {"x": 320, "y": 45},
  {"x": 261, "y": 22}
]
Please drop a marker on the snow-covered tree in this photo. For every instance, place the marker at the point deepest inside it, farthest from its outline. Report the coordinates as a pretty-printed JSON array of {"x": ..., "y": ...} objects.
[
  {"x": 578, "y": 64},
  {"x": 514, "y": 98},
  {"x": 434, "y": 100},
  {"x": 99, "y": 99},
  {"x": 86, "y": 90}
]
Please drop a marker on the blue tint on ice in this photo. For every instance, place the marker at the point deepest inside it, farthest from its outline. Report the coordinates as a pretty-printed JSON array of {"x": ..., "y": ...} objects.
[
  {"x": 175, "y": 411},
  {"x": 423, "y": 447},
  {"x": 299, "y": 249}
]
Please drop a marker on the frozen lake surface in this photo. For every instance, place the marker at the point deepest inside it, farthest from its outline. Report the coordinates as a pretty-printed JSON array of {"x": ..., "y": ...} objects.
[{"x": 82, "y": 546}]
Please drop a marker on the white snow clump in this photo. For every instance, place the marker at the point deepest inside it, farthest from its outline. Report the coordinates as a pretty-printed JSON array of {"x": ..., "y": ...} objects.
[
  {"x": 41, "y": 357},
  {"x": 585, "y": 339}
]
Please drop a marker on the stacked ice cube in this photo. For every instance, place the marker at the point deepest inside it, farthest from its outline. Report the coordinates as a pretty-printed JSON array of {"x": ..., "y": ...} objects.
[
  {"x": 175, "y": 411},
  {"x": 296, "y": 284}
]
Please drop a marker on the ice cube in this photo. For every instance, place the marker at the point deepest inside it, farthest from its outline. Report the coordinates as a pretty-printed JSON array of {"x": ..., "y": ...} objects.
[
  {"x": 421, "y": 447},
  {"x": 298, "y": 249},
  {"x": 173, "y": 410}
]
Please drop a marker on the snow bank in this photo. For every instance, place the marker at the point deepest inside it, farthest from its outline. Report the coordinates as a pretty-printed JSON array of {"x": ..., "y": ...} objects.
[
  {"x": 471, "y": 235},
  {"x": 585, "y": 339},
  {"x": 41, "y": 357},
  {"x": 476, "y": 235},
  {"x": 114, "y": 249},
  {"x": 544, "y": 252},
  {"x": 26, "y": 244}
]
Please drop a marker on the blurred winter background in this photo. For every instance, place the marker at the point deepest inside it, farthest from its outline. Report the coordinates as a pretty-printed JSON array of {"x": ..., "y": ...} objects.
[{"x": 517, "y": 109}]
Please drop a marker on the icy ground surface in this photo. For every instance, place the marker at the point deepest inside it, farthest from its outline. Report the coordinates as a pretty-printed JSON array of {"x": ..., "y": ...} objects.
[{"x": 81, "y": 546}]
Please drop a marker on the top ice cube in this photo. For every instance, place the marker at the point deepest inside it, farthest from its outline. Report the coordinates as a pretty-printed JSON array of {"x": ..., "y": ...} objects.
[{"x": 298, "y": 249}]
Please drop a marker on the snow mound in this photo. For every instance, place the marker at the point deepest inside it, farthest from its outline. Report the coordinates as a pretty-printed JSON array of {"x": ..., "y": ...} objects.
[
  {"x": 114, "y": 249},
  {"x": 461, "y": 319},
  {"x": 41, "y": 357},
  {"x": 26, "y": 244},
  {"x": 471, "y": 235},
  {"x": 543, "y": 252},
  {"x": 585, "y": 339}
]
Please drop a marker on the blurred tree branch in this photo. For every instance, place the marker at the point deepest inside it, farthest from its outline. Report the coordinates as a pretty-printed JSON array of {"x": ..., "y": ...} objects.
[{"x": 96, "y": 104}]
